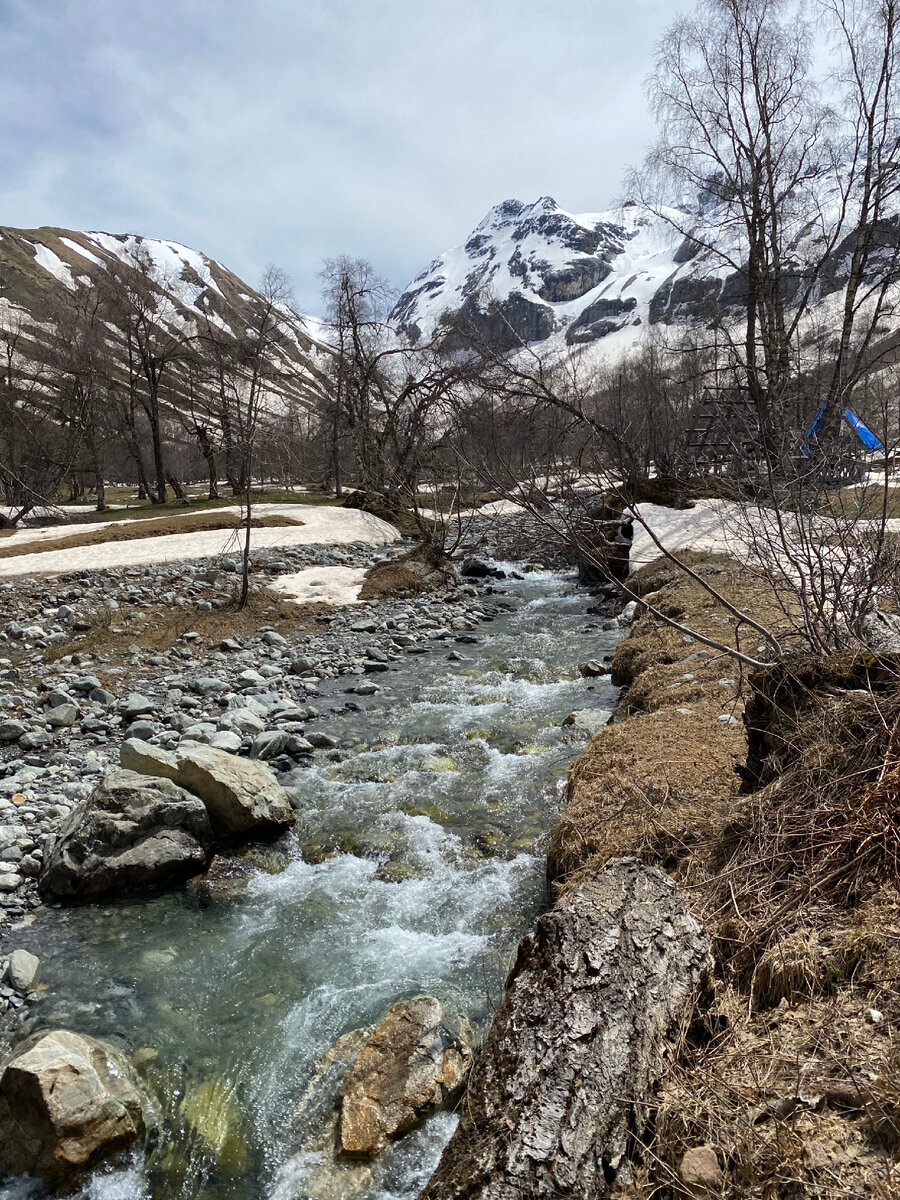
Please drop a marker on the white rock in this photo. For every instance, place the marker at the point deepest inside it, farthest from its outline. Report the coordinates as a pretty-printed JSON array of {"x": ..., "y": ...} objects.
[{"x": 23, "y": 971}]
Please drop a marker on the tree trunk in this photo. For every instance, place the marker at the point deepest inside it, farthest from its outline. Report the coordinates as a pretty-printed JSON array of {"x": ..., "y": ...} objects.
[
  {"x": 176, "y": 487},
  {"x": 564, "y": 1085},
  {"x": 159, "y": 466}
]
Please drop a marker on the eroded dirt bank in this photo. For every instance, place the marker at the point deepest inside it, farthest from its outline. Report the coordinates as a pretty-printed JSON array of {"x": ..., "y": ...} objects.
[{"x": 775, "y": 1072}]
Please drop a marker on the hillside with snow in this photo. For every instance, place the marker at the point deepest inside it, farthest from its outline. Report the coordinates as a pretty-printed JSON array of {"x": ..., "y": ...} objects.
[
  {"x": 196, "y": 293},
  {"x": 547, "y": 273}
]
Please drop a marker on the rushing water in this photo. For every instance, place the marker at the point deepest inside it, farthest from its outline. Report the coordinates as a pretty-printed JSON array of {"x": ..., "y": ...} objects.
[{"x": 416, "y": 867}]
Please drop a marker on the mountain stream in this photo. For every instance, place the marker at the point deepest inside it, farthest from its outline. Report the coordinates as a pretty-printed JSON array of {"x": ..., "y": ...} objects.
[{"x": 416, "y": 866}]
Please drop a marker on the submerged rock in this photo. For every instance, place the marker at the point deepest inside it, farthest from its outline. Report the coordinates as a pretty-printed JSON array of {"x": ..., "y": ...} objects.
[
  {"x": 131, "y": 832},
  {"x": 225, "y": 879},
  {"x": 211, "y": 1114},
  {"x": 414, "y": 1062},
  {"x": 67, "y": 1103}
]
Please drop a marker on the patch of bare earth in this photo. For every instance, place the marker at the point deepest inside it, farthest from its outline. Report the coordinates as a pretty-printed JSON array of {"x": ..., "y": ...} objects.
[
  {"x": 132, "y": 531},
  {"x": 788, "y": 1085},
  {"x": 157, "y": 628}
]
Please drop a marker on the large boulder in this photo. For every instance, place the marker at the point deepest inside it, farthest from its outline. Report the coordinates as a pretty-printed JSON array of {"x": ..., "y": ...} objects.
[
  {"x": 146, "y": 759},
  {"x": 131, "y": 832},
  {"x": 241, "y": 796},
  {"x": 414, "y": 1063},
  {"x": 67, "y": 1103},
  {"x": 881, "y": 632}
]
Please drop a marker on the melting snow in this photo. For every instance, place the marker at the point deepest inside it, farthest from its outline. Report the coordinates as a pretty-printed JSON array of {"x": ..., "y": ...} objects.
[{"x": 51, "y": 262}]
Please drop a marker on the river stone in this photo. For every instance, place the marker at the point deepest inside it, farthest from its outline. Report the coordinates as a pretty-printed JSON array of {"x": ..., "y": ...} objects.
[
  {"x": 270, "y": 744},
  {"x": 589, "y": 720},
  {"x": 140, "y": 756},
  {"x": 135, "y": 706},
  {"x": 62, "y": 715},
  {"x": 131, "y": 832},
  {"x": 240, "y": 795},
  {"x": 246, "y": 721},
  {"x": 316, "y": 1171},
  {"x": 414, "y": 1063},
  {"x": 225, "y": 739},
  {"x": 23, "y": 971},
  {"x": 67, "y": 1103},
  {"x": 700, "y": 1172}
]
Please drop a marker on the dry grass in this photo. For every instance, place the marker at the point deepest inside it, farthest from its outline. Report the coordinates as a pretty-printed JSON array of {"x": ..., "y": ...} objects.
[
  {"x": 131, "y": 531},
  {"x": 391, "y": 579},
  {"x": 873, "y": 501},
  {"x": 787, "y": 1077},
  {"x": 157, "y": 628},
  {"x": 661, "y": 789}
]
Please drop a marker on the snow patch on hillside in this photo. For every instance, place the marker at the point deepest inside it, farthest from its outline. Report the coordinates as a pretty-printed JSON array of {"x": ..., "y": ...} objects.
[{"x": 51, "y": 262}]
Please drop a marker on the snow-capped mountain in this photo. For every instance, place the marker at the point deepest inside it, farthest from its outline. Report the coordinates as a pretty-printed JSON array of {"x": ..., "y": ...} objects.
[
  {"x": 37, "y": 265},
  {"x": 604, "y": 281},
  {"x": 547, "y": 272}
]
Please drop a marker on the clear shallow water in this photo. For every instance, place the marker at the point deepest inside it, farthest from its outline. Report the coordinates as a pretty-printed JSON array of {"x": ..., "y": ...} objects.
[{"x": 415, "y": 867}]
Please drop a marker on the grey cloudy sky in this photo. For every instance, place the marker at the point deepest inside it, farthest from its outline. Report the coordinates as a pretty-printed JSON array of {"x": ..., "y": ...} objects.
[{"x": 290, "y": 130}]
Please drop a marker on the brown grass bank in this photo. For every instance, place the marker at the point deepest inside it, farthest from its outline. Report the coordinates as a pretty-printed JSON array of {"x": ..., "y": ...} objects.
[
  {"x": 789, "y": 1085},
  {"x": 131, "y": 531}
]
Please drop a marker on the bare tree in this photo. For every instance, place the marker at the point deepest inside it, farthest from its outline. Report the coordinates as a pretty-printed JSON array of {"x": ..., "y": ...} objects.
[
  {"x": 386, "y": 395},
  {"x": 794, "y": 191},
  {"x": 138, "y": 304}
]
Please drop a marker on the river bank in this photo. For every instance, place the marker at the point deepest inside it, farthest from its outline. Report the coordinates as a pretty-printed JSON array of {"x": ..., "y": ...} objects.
[{"x": 777, "y": 1076}]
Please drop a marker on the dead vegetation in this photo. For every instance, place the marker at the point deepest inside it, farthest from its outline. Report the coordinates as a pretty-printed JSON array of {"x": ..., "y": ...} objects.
[
  {"x": 421, "y": 569},
  {"x": 157, "y": 628},
  {"x": 789, "y": 849},
  {"x": 130, "y": 531}
]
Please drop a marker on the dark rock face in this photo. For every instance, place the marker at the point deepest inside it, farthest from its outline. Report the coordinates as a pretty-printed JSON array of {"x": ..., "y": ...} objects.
[
  {"x": 555, "y": 258},
  {"x": 503, "y": 326},
  {"x": 574, "y": 280},
  {"x": 566, "y": 1077},
  {"x": 132, "y": 832},
  {"x": 599, "y": 319}
]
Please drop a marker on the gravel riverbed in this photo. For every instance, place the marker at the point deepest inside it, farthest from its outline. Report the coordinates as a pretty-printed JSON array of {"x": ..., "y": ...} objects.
[{"x": 62, "y": 721}]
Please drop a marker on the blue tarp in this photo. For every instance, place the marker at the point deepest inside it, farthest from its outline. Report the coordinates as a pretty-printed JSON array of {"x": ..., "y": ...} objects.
[
  {"x": 862, "y": 431},
  {"x": 865, "y": 435}
]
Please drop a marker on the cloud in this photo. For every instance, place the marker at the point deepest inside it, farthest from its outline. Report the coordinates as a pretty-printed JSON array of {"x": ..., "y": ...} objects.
[{"x": 282, "y": 132}]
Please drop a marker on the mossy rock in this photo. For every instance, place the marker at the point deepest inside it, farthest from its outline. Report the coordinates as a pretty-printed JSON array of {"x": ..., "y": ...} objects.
[
  {"x": 438, "y": 763},
  {"x": 399, "y": 871},
  {"x": 213, "y": 1119},
  {"x": 317, "y": 852},
  {"x": 432, "y": 811},
  {"x": 489, "y": 842}
]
